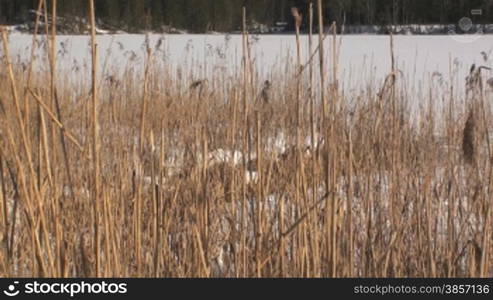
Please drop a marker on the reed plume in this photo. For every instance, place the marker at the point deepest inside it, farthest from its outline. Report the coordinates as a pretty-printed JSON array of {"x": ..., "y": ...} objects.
[
  {"x": 468, "y": 138},
  {"x": 298, "y": 18}
]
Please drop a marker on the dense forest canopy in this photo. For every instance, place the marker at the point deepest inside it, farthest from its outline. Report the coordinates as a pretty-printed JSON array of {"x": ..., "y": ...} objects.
[{"x": 225, "y": 15}]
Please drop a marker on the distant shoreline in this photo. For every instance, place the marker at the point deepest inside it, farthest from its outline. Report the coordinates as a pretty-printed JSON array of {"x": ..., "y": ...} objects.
[{"x": 413, "y": 29}]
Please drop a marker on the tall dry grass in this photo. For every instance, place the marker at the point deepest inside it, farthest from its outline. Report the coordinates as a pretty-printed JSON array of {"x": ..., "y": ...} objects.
[{"x": 152, "y": 173}]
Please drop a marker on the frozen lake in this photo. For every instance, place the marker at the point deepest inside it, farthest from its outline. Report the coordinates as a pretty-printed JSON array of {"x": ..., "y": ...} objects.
[{"x": 361, "y": 57}]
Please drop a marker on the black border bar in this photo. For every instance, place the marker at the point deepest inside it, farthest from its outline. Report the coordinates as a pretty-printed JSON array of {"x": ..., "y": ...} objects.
[{"x": 111, "y": 288}]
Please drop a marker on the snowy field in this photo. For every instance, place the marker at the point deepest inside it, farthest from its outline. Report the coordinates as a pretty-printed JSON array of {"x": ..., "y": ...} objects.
[{"x": 362, "y": 58}]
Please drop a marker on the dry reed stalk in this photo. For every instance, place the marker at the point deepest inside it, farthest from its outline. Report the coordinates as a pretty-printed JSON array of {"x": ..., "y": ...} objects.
[
  {"x": 430, "y": 249},
  {"x": 468, "y": 139},
  {"x": 202, "y": 192},
  {"x": 53, "y": 51},
  {"x": 259, "y": 199},
  {"x": 335, "y": 59},
  {"x": 42, "y": 268},
  {"x": 329, "y": 217},
  {"x": 299, "y": 164},
  {"x": 55, "y": 120},
  {"x": 246, "y": 63},
  {"x": 393, "y": 76},
  {"x": 484, "y": 119},
  {"x": 95, "y": 142},
  {"x": 58, "y": 205},
  {"x": 26, "y": 147},
  {"x": 245, "y": 146},
  {"x": 15, "y": 94},
  {"x": 107, "y": 235},
  {"x": 145, "y": 95},
  {"x": 43, "y": 145},
  {"x": 155, "y": 186},
  {"x": 5, "y": 217},
  {"x": 487, "y": 232},
  {"x": 282, "y": 242},
  {"x": 311, "y": 73},
  {"x": 32, "y": 59},
  {"x": 53, "y": 77},
  {"x": 233, "y": 180},
  {"x": 64, "y": 144},
  {"x": 321, "y": 57},
  {"x": 327, "y": 166},
  {"x": 450, "y": 164},
  {"x": 159, "y": 211},
  {"x": 395, "y": 144},
  {"x": 486, "y": 253},
  {"x": 137, "y": 223},
  {"x": 203, "y": 266},
  {"x": 350, "y": 200},
  {"x": 333, "y": 158},
  {"x": 44, "y": 148},
  {"x": 313, "y": 148}
]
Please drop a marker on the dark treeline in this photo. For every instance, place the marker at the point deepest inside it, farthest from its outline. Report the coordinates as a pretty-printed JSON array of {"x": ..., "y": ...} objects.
[{"x": 225, "y": 15}]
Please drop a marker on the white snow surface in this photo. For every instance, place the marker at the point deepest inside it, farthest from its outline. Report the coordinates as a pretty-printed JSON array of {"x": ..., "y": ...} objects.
[{"x": 361, "y": 57}]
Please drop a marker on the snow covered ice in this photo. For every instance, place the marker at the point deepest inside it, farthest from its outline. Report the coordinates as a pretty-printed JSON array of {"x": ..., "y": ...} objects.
[{"x": 361, "y": 57}]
